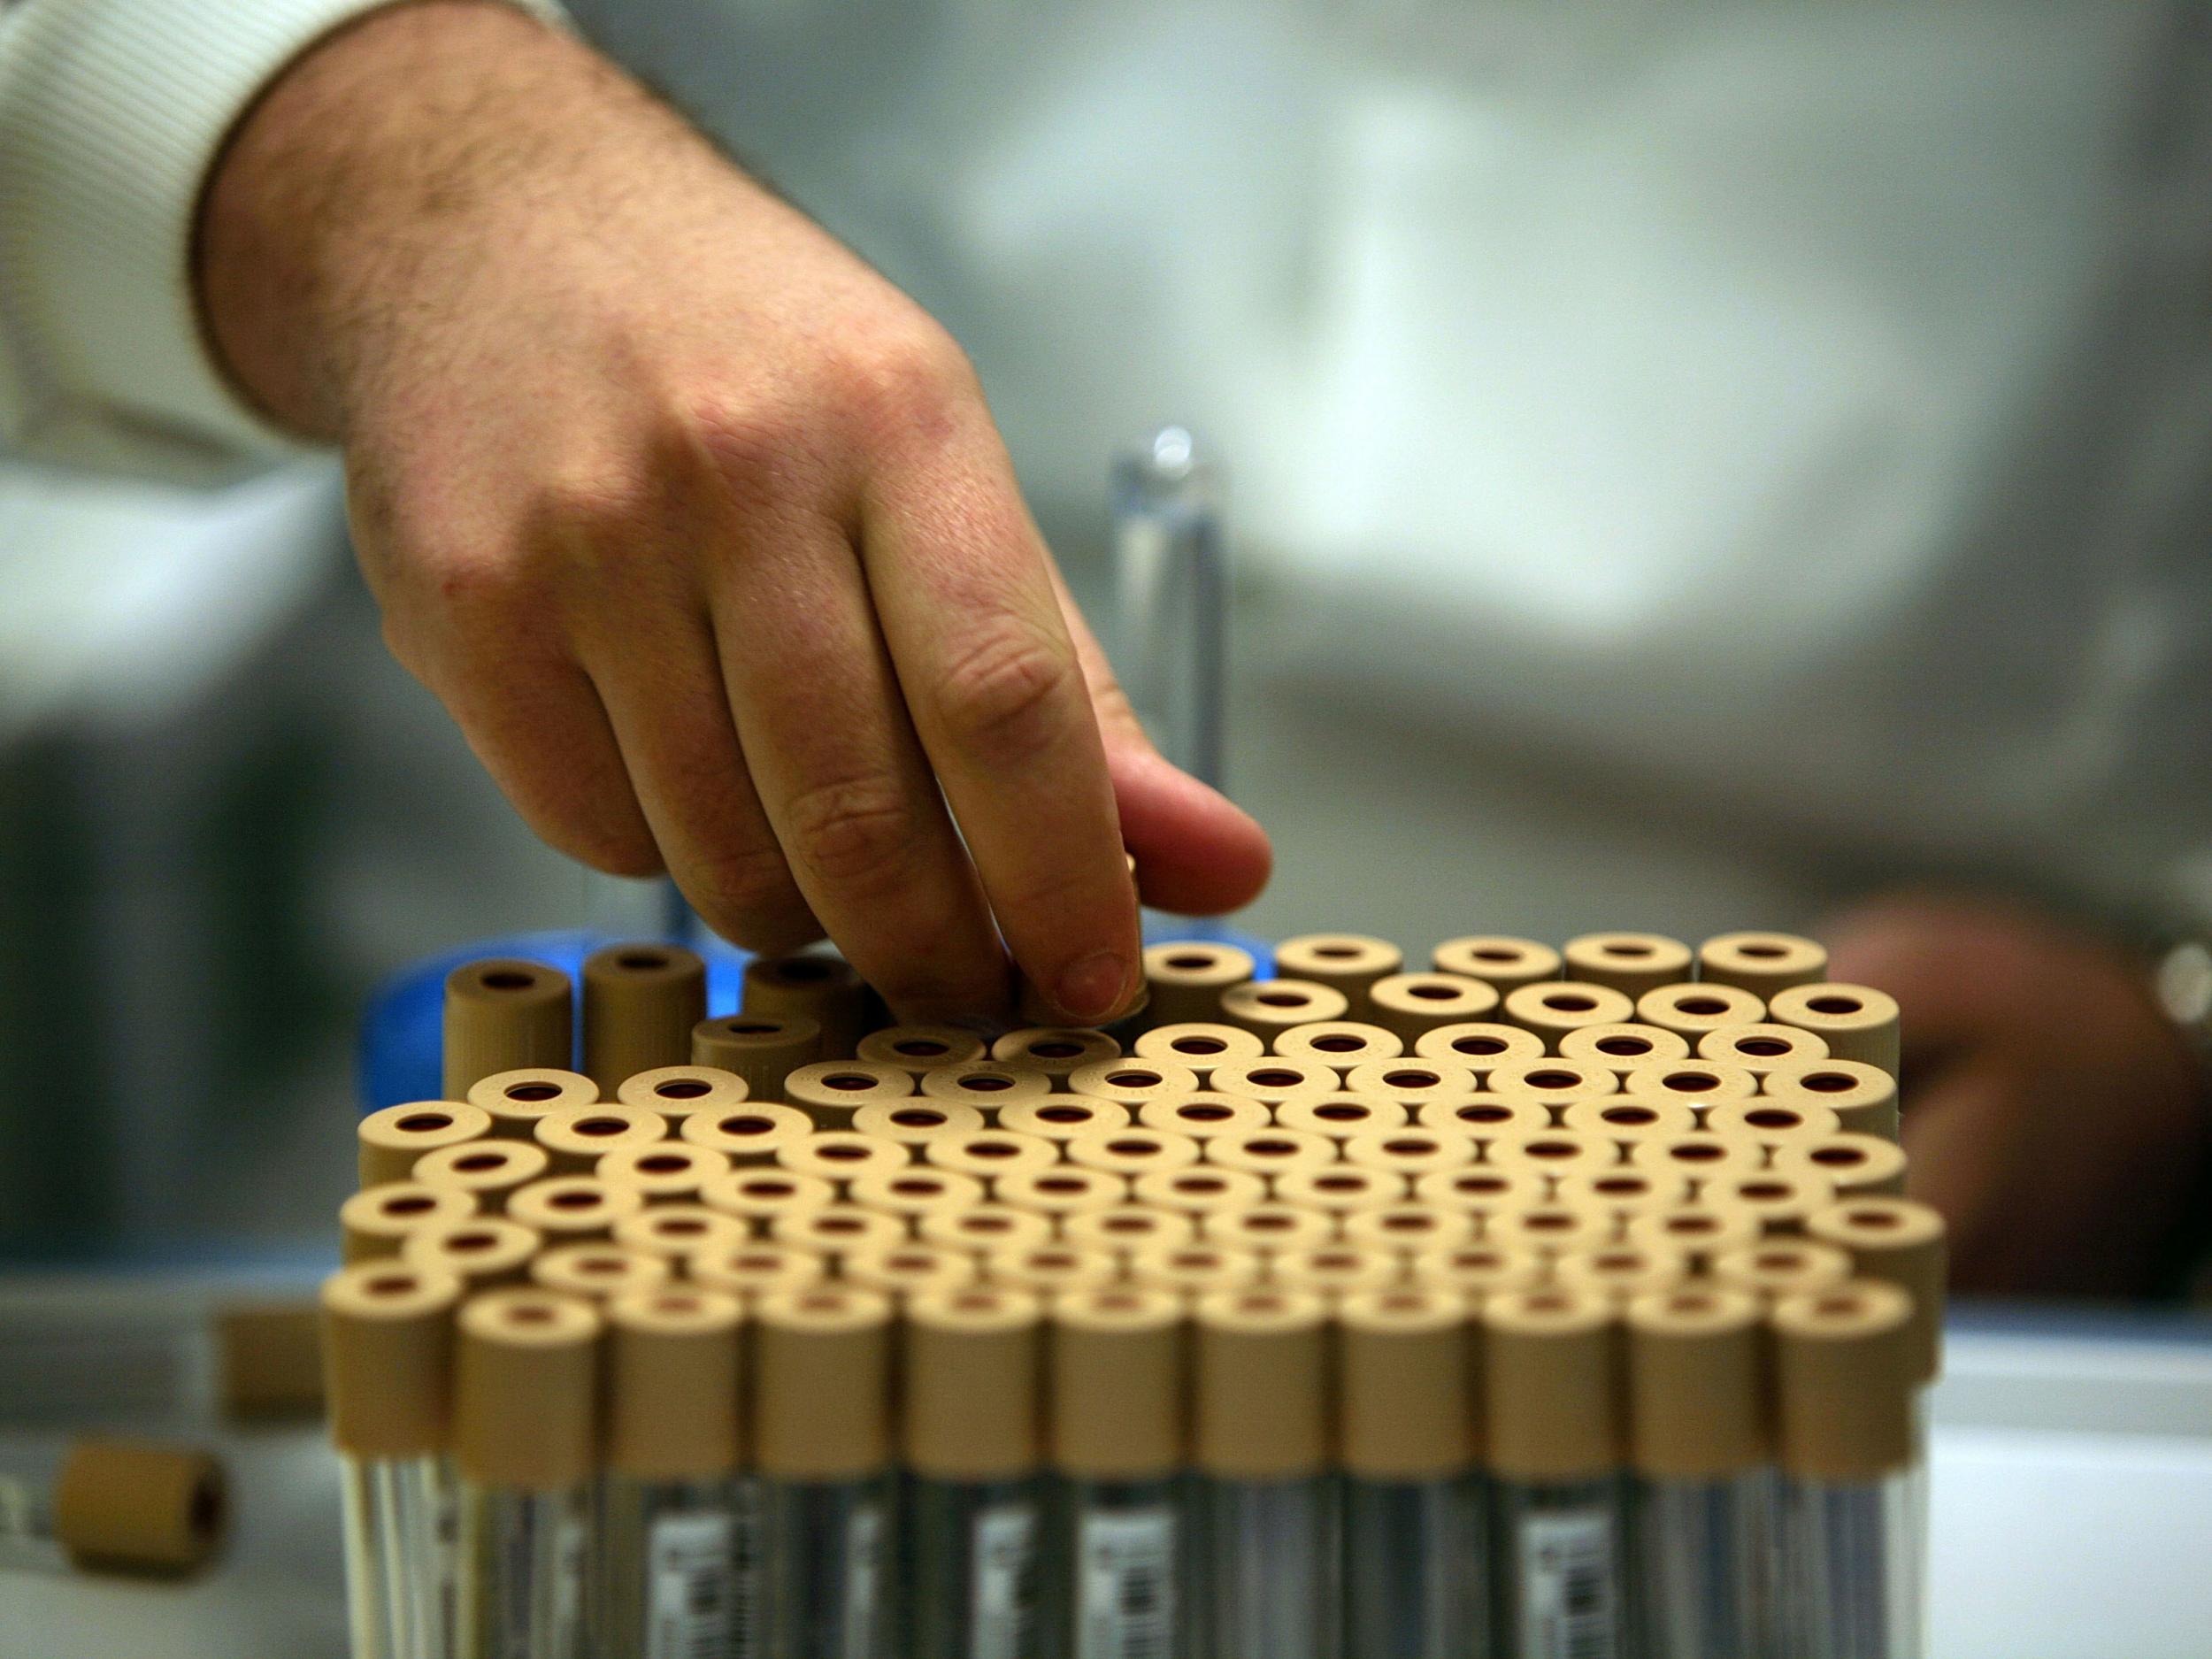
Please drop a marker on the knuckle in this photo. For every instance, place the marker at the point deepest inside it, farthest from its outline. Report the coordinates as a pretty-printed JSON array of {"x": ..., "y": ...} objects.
[
  {"x": 751, "y": 886},
  {"x": 1000, "y": 698},
  {"x": 749, "y": 442},
  {"x": 851, "y": 833},
  {"x": 904, "y": 377}
]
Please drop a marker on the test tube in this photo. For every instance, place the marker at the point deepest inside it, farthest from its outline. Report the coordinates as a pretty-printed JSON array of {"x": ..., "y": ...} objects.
[
  {"x": 1264, "y": 1009},
  {"x": 525, "y": 1398},
  {"x": 1498, "y": 959},
  {"x": 1760, "y": 963},
  {"x": 1199, "y": 1045},
  {"x": 1135, "y": 1084},
  {"x": 824, "y": 989},
  {"x": 762, "y": 1048},
  {"x": 1554, "y": 1008},
  {"x": 1550, "y": 1359},
  {"x": 392, "y": 1141},
  {"x": 916, "y": 1049},
  {"x": 1058, "y": 1051},
  {"x": 1855, "y": 1021},
  {"x": 1171, "y": 576},
  {"x": 1480, "y": 1045},
  {"x": 1186, "y": 979},
  {"x": 821, "y": 1406},
  {"x": 1414, "y": 1519},
  {"x": 502, "y": 1014},
  {"x": 377, "y": 1220},
  {"x": 678, "y": 1543},
  {"x": 1851, "y": 1488},
  {"x": 519, "y": 1098},
  {"x": 1630, "y": 963},
  {"x": 1703, "y": 1509},
  {"x": 578, "y": 1137},
  {"x": 1411, "y": 1005},
  {"x": 641, "y": 1002},
  {"x": 109, "y": 1505},
  {"x": 832, "y": 1091},
  {"x": 1115, "y": 1438},
  {"x": 1690, "y": 1010},
  {"x": 1863, "y": 1097},
  {"x": 486, "y": 1171},
  {"x": 1268, "y": 1522},
  {"x": 1338, "y": 1044},
  {"x": 969, "y": 1430},
  {"x": 988, "y": 1086},
  {"x": 1349, "y": 963},
  {"x": 1620, "y": 1048},
  {"x": 678, "y": 1091}
]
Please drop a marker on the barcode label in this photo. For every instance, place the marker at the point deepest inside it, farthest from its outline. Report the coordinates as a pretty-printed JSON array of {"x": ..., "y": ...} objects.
[
  {"x": 863, "y": 1579},
  {"x": 1125, "y": 1585},
  {"x": 688, "y": 1608},
  {"x": 1568, "y": 1586},
  {"x": 571, "y": 1556},
  {"x": 1003, "y": 1583},
  {"x": 748, "y": 1591}
]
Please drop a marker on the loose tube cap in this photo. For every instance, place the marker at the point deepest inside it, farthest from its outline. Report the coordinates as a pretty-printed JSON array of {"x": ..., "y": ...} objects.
[
  {"x": 597, "y": 1271},
  {"x": 1411, "y": 1083},
  {"x": 1860, "y": 1166},
  {"x": 518, "y": 1099},
  {"x": 1551, "y": 1229},
  {"x": 841, "y": 1154},
  {"x": 1063, "y": 1116},
  {"x": 1903, "y": 1243},
  {"x": 1065, "y": 1189},
  {"x": 1270, "y": 1227},
  {"x": 833, "y": 1090},
  {"x": 1187, "y": 976},
  {"x": 1691, "y": 1010},
  {"x": 1484, "y": 1189},
  {"x": 1550, "y": 1359},
  {"x": 1699, "y": 1233},
  {"x": 1272, "y": 1079},
  {"x": 134, "y": 1506},
  {"x": 1498, "y": 959},
  {"x": 1555, "y": 1082},
  {"x": 1271, "y": 1152},
  {"x": 1624, "y": 1119},
  {"x": 762, "y": 1048},
  {"x": 1046, "y": 1269},
  {"x": 1338, "y": 1117},
  {"x": 664, "y": 1169},
  {"x": 1133, "y": 1083},
  {"x": 1863, "y": 1097},
  {"x": 909, "y": 1269},
  {"x": 1410, "y": 1152},
  {"x": 1203, "y": 1189},
  {"x": 1263, "y": 1396},
  {"x": 1199, "y": 1269},
  {"x": 982, "y": 1227},
  {"x": 1408, "y": 1403},
  {"x": 1780, "y": 1198},
  {"x": 988, "y": 1086},
  {"x": 1621, "y": 1271},
  {"x": 1553, "y": 1152},
  {"x": 1266, "y": 1007},
  {"x": 1629, "y": 963},
  {"x": 1132, "y": 1151},
  {"x": 502, "y": 1013},
  {"x": 677, "y": 1092},
  {"x": 1485, "y": 1118},
  {"x": 1553, "y": 1009},
  {"x": 821, "y": 1394},
  {"x": 757, "y": 1269},
  {"x": 1340, "y": 1188},
  {"x": 1479, "y": 1269},
  {"x": 1844, "y": 1381},
  {"x": 579, "y": 1138},
  {"x": 1696, "y": 1387},
  {"x": 1478, "y": 1044},
  {"x": 569, "y": 1209},
  {"x": 1339, "y": 1269},
  {"x": 990, "y": 1153},
  {"x": 1701, "y": 1156},
  {"x": 1781, "y": 1267},
  {"x": 912, "y": 1191},
  {"x": 1202, "y": 1114},
  {"x": 972, "y": 1364},
  {"x": 834, "y": 1229},
  {"x": 1762, "y": 1048},
  {"x": 1346, "y": 963},
  {"x": 1625, "y": 1192},
  {"x": 1199, "y": 1046},
  {"x": 1773, "y": 1123},
  {"x": 915, "y": 1123},
  {"x": 1118, "y": 1360},
  {"x": 810, "y": 987},
  {"x": 752, "y": 1133},
  {"x": 1624, "y": 1046},
  {"x": 758, "y": 1197},
  {"x": 377, "y": 1220},
  {"x": 1411, "y": 1005},
  {"x": 392, "y": 1140},
  {"x": 387, "y": 1358},
  {"x": 1698, "y": 1084},
  {"x": 480, "y": 1253},
  {"x": 1339, "y": 1043},
  {"x": 486, "y": 1169},
  {"x": 915, "y": 1049},
  {"x": 1127, "y": 1227},
  {"x": 676, "y": 1232},
  {"x": 268, "y": 1358},
  {"x": 1856, "y": 1021},
  {"x": 641, "y": 1002},
  {"x": 524, "y": 1404},
  {"x": 1761, "y": 964},
  {"x": 1057, "y": 1051},
  {"x": 673, "y": 1375}
]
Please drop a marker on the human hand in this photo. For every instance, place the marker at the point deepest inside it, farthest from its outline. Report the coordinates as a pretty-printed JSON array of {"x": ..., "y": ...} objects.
[
  {"x": 700, "y": 529},
  {"x": 2052, "y": 1112}
]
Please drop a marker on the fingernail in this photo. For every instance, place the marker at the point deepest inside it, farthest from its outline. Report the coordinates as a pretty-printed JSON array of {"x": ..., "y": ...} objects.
[{"x": 1092, "y": 987}]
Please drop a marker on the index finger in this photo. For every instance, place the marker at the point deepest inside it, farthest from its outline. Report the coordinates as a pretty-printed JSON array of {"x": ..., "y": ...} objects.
[{"x": 994, "y": 686}]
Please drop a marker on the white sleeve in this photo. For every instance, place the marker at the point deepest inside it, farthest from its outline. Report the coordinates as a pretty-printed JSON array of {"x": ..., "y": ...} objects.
[{"x": 111, "y": 113}]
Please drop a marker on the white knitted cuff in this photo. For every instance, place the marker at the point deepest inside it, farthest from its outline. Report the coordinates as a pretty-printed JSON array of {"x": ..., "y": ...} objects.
[{"x": 111, "y": 113}]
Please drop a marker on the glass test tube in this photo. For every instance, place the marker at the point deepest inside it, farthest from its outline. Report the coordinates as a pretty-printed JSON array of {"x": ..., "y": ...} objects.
[
  {"x": 1118, "y": 1375},
  {"x": 109, "y": 1505},
  {"x": 1852, "y": 1487},
  {"x": 1268, "y": 1565},
  {"x": 524, "y": 1430},
  {"x": 1703, "y": 1517},
  {"x": 1170, "y": 572},
  {"x": 1549, "y": 1362},
  {"x": 679, "y": 1524},
  {"x": 387, "y": 1341},
  {"x": 1416, "y": 1553},
  {"x": 969, "y": 1433},
  {"x": 821, "y": 1417}
]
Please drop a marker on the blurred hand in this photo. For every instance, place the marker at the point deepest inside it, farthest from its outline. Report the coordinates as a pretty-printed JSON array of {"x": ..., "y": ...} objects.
[
  {"x": 700, "y": 530},
  {"x": 2052, "y": 1112}
]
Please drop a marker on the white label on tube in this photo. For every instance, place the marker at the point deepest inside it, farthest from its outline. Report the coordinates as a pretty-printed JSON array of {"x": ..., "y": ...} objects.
[
  {"x": 1003, "y": 1583},
  {"x": 863, "y": 1578},
  {"x": 571, "y": 1558},
  {"x": 748, "y": 1594},
  {"x": 689, "y": 1606},
  {"x": 1125, "y": 1579},
  {"x": 1568, "y": 1586}
]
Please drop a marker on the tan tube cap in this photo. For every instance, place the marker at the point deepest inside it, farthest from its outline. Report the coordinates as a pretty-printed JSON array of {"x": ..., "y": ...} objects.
[
  {"x": 821, "y": 1383},
  {"x": 1700, "y": 1084},
  {"x": 915, "y": 1049},
  {"x": 821, "y": 988},
  {"x": 1498, "y": 959},
  {"x": 1203, "y": 1189},
  {"x": 1554, "y": 1081},
  {"x": 1339, "y": 1116},
  {"x": 1781, "y": 1267},
  {"x": 1699, "y": 1232},
  {"x": 908, "y": 1269},
  {"x": 502, "y": 1013},
  {"x": 1191, "y": 1270},
  {"x": 1270, "y": 1153},
  {"x": 674, "y": 1376},
  {"x": 1411, "y": 1005},
  {"x": 1263, "y": 1404},
  {"x": 1860, "y": 1166},
  {"x": 982, "y": 1227},
  {"x": 1409, "y": 1228},
  {"x": 1408, "y": 1404},
  {"x": 762, "y": 1048},
  {"x": 1856, "y": 1021},
  {"x": 1762, "y": 1048},
  {"x": 1780, "y": 1198},
  {"x": 377, "y": 1220},
  {"x": 1631, "y": 963},
  {"x": 1480, "y": 1045},
  {"x": 268, "y": 1358},
  {"x": 987, "y": 1154},
  {"x": 134, "y": 1506},
  {"x": 486, "y": 1169},
  {"x": 1127, "y": 1227},
  {"x": 1202, "y": 1114},
  {"x": 755, "y": 1269},
  {"x": 1621, "y": 1271},
  {"x": 1063, "y": 1116},
  {"x": 988, "y": 1086},
  {"x": 1065, "y": 1189},
  {"x": 1553, "y": 1152},
  {"x": 834, "y": 1229},
  {"x": 843, "y": 1156},
  {"x": 1413, "y": 1083},
  {"x": 1186, "y": 979},
  {"x": 579, "y": 1138},
  {"x": 1624, "y": 1119},
  {"x": 1553, "y": 1009},
  {"x": 388, "y": 1357},
  {"x": 598, "y": 1270},
  {"x": 1267, "y": 1228},
  {"x": 915, "y": 1123},
  {"x": 1119, "y": 1383},
  {"x": 1551, "y": 1229},
  {"x": 1479, "y": 1269},
  {"x": 1623, "y": 1048},
  {"x": 481, "y": 1253},
  {"x": 1272, "y": 1079},
  {"x": 676, "y": 1092},
  {"x": 1844, "y": 1381},
  {"x": 973, "y": 1364},
  {"x": 1412, "y": 1152},
  {"x": 1701, "y": 1156},
  {"x": 1058, "y": 1051},
  {"x": 1761, "y": 964},
  {"x": 832, "y": 1091},
  {"x": 1696, "y": 1387},
  {"x": 1903, "y": 1243},
  {"x": 394, "y": 1139},
  {"x": 569, "y": 1209},
  {"x": 1347, "y": 963},
  {"x": 1133, "y": 1150},
  {"x": 1199, "y": 1046},
  {"x": 1340, "y": 1188},
  {"x": 1047, "y": 1269},
  {"x": 1337, "y": 1270},
  {"x": 526, "y": 1394},
  {"x": 1133, "y": 1083},
  {"x": 518, "y": 1099},
  {"x": 1693, "y": 1009},
  {"x": 1485, "y": 1118},
  {"x": 664, "y": 1171},
  {"x": 1339, "y": 1043},
  {"x": 914, "y": 1191},
  {"x": 1863, "y": 1097},
  {"x": 1552, "y": 1366},
  {"x": 1266, "y": 1007},
  {"x": 676, "y": 1232},
  {"x": 752, "y": 1133},
  {"x": 758, "y": 1197},
  {"x": 1624, "y": 1193},
  {"x": 641, "y": 1002},
  {"x": 1773, "y": 1123}
]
